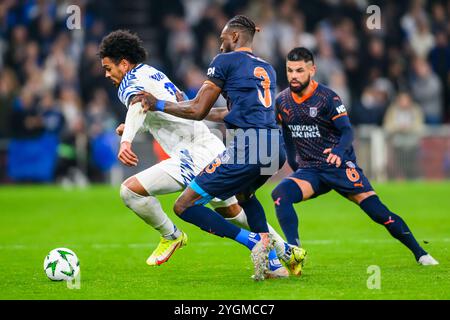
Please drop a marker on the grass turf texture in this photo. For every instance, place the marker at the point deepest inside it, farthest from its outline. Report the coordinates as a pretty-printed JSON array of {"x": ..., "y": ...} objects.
[{"x": 113, "y": 244}]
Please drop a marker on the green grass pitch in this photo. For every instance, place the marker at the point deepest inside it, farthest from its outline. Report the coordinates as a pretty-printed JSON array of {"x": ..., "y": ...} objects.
[{"x": 113, "y": 244}]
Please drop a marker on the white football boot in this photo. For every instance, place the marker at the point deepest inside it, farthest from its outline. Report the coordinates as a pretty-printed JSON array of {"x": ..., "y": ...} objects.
[
  {"x": 427, "y": 260},
  {"x": 260, "y": 257}
]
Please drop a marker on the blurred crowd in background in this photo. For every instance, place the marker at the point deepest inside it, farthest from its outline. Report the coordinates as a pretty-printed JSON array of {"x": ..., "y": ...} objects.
[{"x": 56, "y": 105}]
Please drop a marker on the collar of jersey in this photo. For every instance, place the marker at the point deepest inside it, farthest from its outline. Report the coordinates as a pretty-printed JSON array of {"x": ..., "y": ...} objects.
[
  {"x": 304, "y": 98},
  {"x": 247, "y": 49},
  {"x": 125, "y": 78},
  {"x": 136, "y": 67}
]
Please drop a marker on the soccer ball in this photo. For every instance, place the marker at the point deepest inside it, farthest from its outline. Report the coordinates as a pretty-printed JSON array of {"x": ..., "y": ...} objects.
[{"x": 61, "y": 264}]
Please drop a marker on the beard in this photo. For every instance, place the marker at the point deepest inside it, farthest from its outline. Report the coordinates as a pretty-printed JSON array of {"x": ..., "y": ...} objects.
[{"x": 301, "y": 87}]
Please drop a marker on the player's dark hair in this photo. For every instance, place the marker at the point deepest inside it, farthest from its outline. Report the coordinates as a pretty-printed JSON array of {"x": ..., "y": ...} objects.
[
  {"x": 300, "y": 54},
  {"x": 122, "y": 44},
  {"x": 243, "y": 23}
]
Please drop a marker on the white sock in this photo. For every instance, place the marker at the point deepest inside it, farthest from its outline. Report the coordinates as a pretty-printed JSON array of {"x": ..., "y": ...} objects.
[
  {"x": 149, "y": 209},
  {"x": 240, "y": 220}
]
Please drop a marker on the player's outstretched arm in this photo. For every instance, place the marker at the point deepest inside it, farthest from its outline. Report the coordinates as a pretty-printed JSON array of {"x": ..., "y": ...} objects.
[
  {"x": 195, "y": 109},
  {"x": 216, "y": 114}
]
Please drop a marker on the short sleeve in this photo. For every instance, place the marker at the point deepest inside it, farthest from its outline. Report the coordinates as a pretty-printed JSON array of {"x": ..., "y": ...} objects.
[
  {"x": 218, "y": 70},
  {"x": 337, "y": 108},
  {"x": 128, "y": 88}
]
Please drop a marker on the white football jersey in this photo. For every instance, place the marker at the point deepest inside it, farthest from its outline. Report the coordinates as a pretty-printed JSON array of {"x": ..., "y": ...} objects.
[{"x": 174, "y": 134}]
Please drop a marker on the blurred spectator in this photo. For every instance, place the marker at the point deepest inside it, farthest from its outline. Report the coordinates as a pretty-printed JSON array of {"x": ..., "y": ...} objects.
[
  {"x": 439, "y": 17},
  {"x": 9, "y": 88},
  {"x": 326, "y": 63},
  {"x": 103, "y": 140},
  {"x": 371, "y": 107},
  {"x": 52, "y": 117},
  {"x": 16, "y": 52},
  {"x": 45, "y": 33},
  {"x": 427, "y": 90},
  {"x": 26, "y": 120},
  {"x": 415, "y": 13},
  {"x": 439, "y": 58},
  {"x": 422, "y": 40},
  {"x": 404, "y": 124},
  {"x": 397, "y": 71},
  {"x": 91, "y": 74},
  {"x": 302, "y": 37},
  {"x": 180, "y": 44},
  {"x": 265, "y": 42},
  {"x": 376, "y": 60},
  {"x": 338, "y": 83},
  {"x": 193, "y": 80},
  {"x": 210, "y": 24},
  {"x": 32, "y": 151},
  {"x": 210, "y": 49},
  {"x": 99, "y": 118},
  {"x": 347, "y": 48},
  {"x": 73, "y": 148}
]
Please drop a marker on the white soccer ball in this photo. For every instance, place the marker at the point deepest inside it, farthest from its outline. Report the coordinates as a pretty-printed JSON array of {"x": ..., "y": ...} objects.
[{"x": 61, "y": 264}]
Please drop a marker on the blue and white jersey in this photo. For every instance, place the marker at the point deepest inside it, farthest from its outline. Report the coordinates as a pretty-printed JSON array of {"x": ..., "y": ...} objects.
[
  {"x": 175, "y": 135},
  {"x": 144, "y": 77}
]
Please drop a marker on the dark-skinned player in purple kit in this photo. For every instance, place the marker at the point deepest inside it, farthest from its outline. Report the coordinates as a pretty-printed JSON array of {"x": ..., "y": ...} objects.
[
  {"x": 248, "y": 84},
  {"x": 318, "y": 138}
]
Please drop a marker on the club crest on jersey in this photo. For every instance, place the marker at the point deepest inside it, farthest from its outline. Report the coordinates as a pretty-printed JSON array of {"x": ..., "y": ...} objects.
[{"x": 313, "y": 112}]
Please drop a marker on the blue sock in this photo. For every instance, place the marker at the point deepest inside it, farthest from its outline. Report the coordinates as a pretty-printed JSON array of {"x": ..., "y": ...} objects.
[
  {"x": 284, "y": 196},
  {"x": 256, "y": 217},
  {"x": 274, "y": 262},
  {"x": 247, "y": 238},
  {"x": 393, "y": 223},
  {"x": 210, "y": 221}
]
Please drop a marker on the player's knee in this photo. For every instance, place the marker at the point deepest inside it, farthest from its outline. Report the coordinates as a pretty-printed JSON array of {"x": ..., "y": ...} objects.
[
  {"x": 360, "y": 197},
  {"x": 286, "y": 192},
  {"x": 229, "y": 212},
  {"x": 277, "y": 192},
  {"x": 277, "y": 195},
  {"x": 126, "y": 195},
  {"x": 179, "y": 207}
]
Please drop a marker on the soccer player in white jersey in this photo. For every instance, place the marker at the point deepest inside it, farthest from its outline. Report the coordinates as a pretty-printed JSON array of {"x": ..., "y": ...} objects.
[{"x": 190, "y": 145}]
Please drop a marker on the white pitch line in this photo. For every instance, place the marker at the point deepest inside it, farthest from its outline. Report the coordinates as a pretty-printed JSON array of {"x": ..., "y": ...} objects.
[{"x": 100, "y": 246}]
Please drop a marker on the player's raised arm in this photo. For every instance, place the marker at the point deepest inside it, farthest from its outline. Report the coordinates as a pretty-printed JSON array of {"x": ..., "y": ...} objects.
[{"x": 195, "y": 109}]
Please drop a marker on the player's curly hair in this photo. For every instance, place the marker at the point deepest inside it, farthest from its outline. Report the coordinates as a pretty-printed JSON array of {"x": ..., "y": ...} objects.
[
  {"x": 122, "y": 44},
  {"x": 243, "y": 23},
  {"x": 300, "y": 54}
]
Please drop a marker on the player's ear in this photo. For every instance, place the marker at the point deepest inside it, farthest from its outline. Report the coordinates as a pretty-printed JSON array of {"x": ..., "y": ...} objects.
[
  {"x": 312, "y": 70},
  {"x": 235, "y": 37},
  {"x": 123, "y": 64}
]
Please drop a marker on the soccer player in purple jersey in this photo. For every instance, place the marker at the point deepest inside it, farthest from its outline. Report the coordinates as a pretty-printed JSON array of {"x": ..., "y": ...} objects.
[{"x": 318, "y": 138}]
